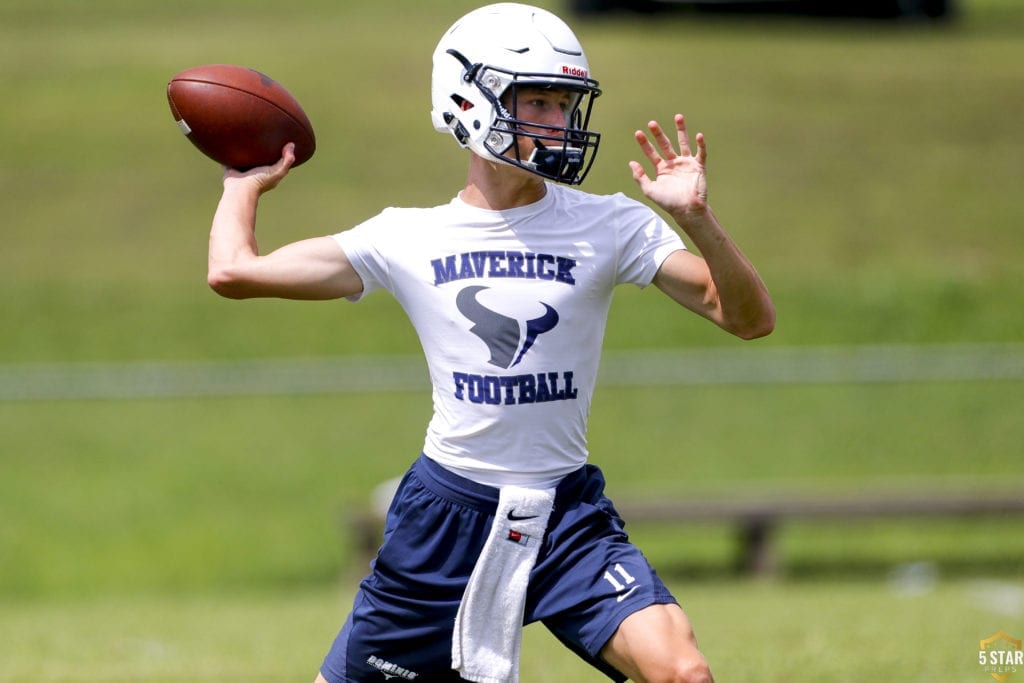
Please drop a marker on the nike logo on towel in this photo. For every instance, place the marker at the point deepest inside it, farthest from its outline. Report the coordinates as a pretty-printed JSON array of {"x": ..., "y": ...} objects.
[{"x": 519, "y": 518}]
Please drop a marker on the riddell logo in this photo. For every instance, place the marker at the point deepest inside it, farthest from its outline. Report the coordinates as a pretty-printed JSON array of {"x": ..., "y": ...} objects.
[{"x": 574, "y": 71}]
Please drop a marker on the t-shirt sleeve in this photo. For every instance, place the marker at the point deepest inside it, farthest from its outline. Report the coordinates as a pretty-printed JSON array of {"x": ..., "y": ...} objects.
[
  {"x": 644, "y": 241},
  {"x": 361, "y": 245}
]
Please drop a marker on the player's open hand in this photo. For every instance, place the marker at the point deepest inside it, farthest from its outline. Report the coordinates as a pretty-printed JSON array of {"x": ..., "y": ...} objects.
[
  {"x": 265, "y": 178},
  {"x": 679, "y": 185}
]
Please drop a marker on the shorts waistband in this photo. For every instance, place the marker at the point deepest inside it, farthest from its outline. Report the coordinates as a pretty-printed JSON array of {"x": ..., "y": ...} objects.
[{"x": 458, "y": 489}]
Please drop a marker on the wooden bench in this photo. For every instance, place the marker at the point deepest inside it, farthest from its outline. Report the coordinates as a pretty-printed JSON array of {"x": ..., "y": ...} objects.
[{"x": 756, "y": 519}]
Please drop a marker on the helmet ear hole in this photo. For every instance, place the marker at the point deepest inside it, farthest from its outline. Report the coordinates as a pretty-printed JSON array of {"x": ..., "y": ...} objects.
[{"x": 461, "y": 102}]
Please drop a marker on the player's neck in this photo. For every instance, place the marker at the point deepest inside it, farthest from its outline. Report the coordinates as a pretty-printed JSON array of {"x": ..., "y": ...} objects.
[{"x": 498, "y": 187}]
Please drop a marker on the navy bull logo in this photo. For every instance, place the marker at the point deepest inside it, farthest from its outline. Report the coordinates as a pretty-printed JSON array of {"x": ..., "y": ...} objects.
[{"x": 501, "y": 333}]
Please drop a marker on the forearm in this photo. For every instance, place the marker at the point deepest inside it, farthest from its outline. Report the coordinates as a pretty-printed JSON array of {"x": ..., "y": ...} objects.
[
  {"x": 736, "y": 294},
  {"x": 722, "y": 286},
  {"x": 232, "y": 235}
]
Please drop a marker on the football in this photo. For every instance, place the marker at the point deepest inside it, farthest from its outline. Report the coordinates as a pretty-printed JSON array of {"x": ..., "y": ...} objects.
[{"x": 238, "y": 116}]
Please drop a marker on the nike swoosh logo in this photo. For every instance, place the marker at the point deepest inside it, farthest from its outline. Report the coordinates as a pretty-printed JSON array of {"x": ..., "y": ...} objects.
[
  {"x": 626, "y": 594},
  {"x": 519, "y": 518}
]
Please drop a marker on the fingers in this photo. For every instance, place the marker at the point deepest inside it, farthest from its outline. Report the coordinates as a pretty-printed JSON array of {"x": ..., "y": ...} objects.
[
  {"x": 288, "y": 154},
  {"x": 664, "y": 144},
  {"x": 684, "y": 139},
  {"x": 640, "y": 177},
  {"x": 281, "y": 168},
  {"x": 276, "y": 173},
  {"x": 646, "y": 147},
  {"x": 265, "y": 177},
  {"x": 639, "y": 174}
]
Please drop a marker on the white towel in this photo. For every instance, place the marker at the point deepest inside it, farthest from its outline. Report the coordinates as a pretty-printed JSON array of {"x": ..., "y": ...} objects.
[{"x": 489, "y": 624}]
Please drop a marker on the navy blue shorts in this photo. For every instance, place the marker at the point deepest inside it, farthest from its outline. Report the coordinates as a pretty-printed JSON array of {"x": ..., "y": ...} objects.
[{"x": 587, "y": 579}]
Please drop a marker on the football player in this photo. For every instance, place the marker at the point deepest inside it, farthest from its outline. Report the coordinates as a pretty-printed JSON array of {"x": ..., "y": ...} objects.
[{"x": 508, "y": 286}]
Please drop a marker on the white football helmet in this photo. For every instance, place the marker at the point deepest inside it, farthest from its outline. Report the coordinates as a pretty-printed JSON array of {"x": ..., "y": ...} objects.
[{"x": 481, "y": 61}]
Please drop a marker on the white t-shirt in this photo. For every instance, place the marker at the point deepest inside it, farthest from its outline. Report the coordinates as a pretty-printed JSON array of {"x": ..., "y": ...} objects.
[{"x": 510, "y": 307}]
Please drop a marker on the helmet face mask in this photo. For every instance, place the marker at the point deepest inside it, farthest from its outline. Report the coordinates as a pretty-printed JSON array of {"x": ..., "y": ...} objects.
[
  {"x": 562, "y": 153},
  {"x": 481, "y": 66}
]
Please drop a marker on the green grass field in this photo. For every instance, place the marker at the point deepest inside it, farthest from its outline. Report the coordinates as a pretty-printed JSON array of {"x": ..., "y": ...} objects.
[
  {"x": 837, "y": 631},
  {"x": 872, "y": 172}
]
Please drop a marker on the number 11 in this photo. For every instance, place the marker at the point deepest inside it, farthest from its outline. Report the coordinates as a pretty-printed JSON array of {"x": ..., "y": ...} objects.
[{"x": 623, "y": 574}]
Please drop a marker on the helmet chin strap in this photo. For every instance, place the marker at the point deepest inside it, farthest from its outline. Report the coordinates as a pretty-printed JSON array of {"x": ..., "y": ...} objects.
[{"x": 562, "y": 163}]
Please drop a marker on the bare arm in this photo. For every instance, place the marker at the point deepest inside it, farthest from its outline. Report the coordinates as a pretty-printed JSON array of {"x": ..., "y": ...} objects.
[
  {"x": 720, "y": 285},
  {"x": 316, "y": 268}
]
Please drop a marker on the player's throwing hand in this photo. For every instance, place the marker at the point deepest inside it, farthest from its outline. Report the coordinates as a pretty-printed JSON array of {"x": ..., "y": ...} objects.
[
  {"x": 679, "y": 185},
  {"x": 265, "y": 178}
]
